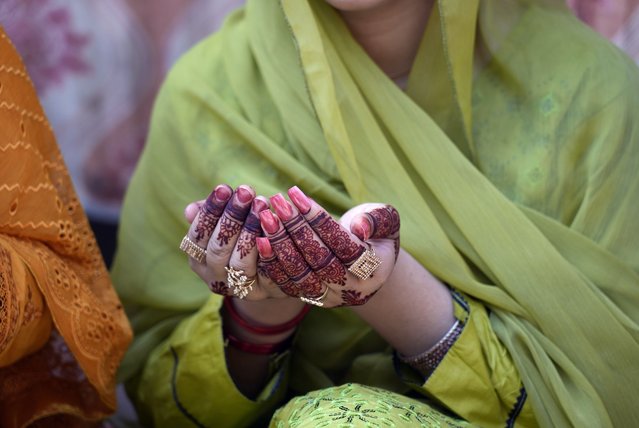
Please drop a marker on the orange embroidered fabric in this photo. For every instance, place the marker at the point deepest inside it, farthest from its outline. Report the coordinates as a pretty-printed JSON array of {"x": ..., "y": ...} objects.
[{"x": 63, "y": 331}]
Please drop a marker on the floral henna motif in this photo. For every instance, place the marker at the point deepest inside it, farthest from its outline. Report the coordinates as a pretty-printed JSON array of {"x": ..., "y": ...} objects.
[
  {"x": 385, "y": 222},
  {"x": 218, "y": 287},
  {"x": 205, "y": 225},
  {"x": 354, "y": 298},
  {"x": 245, "y": 243},
  {"x": 228, "y": 229},
  {"x": 271, "y": 269},
  {"x": 316, "y": 254},
  {"x": 310, "y": 286},
  {"x": 333, "y": 273},
  {"x": 336, "y": 238},
  {"x": 288, "y": 255},
  {"x": 210, "y": 214}
]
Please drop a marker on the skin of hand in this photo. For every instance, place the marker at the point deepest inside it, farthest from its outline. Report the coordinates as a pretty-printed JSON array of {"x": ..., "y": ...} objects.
[{"x": 314, "y": 251}]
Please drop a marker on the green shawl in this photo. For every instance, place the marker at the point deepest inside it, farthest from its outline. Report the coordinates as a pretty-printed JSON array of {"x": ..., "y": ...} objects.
[{"x": 512, "y": 159}]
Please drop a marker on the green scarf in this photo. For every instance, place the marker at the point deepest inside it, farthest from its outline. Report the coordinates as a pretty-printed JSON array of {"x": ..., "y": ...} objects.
[{"x": 511, "y": 158}]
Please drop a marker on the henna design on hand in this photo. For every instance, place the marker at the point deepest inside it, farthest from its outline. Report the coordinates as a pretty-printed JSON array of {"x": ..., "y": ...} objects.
[
  {"x": 232, "y": 220},
  {"x": 211, "y": 211},
  {"x": 219, "y": 287},
  {"x": 270, "y": 268},
  {"x": 228, "y": 229},
  {"x": 336, "y": 238},
  {"x": 385, "y": 222},
  {"x": 355, "y": 298},
  {"x": 295, "y": 265}
]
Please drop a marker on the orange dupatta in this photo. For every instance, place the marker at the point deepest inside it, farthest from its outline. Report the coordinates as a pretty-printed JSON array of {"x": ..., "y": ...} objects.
[{"x": 63, "y": 331}]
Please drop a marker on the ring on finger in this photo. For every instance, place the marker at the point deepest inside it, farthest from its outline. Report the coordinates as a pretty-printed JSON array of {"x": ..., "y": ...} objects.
[
  {"x": 239, "y": 282},
  {"x": 365, "y": 265},
  {"x": 193, "y": 250},
  {"x": 316, "y": 301}
]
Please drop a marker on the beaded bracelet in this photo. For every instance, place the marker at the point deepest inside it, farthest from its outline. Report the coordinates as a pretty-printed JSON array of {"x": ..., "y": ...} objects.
[
  {"x": 263, "y": 330},
  {"x": 257, "y": 348},
  {"x": 427, "y": 362}
]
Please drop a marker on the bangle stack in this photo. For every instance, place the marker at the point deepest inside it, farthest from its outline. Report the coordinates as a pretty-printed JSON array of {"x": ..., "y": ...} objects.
[
  {"x": 428, "y": 361},
  {"x": 262, "y": 348}
]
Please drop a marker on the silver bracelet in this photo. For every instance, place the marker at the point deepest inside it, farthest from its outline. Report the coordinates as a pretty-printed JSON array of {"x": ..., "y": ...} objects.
[{"x": 427, "y": 362}]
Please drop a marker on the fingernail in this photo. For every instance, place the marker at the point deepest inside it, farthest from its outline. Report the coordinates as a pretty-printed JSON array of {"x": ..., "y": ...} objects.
[
  {"x": 269, "y": 222},
  {"x": 299, "y": 199},
  {"x": 223, "y": 193},
  {"x": 244, "y": 195},
  {"x": 282, "y": 207},
  {"x": 258, "y": 205},
  {"x": 264, "y": 247},
  {"x": 361, "y": 228}
]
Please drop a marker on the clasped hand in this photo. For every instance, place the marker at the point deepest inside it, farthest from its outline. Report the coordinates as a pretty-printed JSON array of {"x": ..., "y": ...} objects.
[{"x": 299, "y": 251}]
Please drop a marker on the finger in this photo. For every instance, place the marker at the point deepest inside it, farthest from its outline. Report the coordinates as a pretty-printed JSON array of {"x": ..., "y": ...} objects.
[
  {"x": 191, "y": 210},
  {"x": 379, "y": 223},
  {"x": 270, "y": 268},
  {"x": 244, "y": 256},
  {"x": 318, "y": 256},
  {"x": 210, "y": 212},
  {"x": 227, "y": 231},
  {"x": 289, "y": 257},
  {"x": 346, "y": 247}
]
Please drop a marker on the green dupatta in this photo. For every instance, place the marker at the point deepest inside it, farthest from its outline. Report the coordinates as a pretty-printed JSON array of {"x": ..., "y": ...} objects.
[{"x": 517, "y": 187}]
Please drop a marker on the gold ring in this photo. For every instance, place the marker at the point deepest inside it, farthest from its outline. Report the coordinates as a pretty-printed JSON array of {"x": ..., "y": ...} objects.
[
  {"x": 193, "y": 250},
  {"x": 317, "y": 301},
  {"x": 239, "y": 282},
  {"x": 365, "y": 265}
]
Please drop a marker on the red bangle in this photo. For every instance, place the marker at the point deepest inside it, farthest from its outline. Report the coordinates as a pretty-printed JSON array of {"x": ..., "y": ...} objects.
[
  {"x": 257, "y": 348},
  {"x": 270, "y": 330}
]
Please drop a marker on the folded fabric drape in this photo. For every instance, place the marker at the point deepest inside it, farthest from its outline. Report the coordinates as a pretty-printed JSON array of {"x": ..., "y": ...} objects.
[
  {"x": 63, "y": 330},
  {"x": 511, "y": 158}
]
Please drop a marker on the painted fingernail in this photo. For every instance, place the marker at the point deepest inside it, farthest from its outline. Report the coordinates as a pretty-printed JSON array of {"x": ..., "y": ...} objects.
[
  {"x": 264, "y": 247},
  {"x": 269, "y": 222},
  {"x": 282, "y": 207},
  {"x": 300, "y": 200},
  {"x": 361, "y": 228},
  {"x": 244, "y": 195},
  {"x": 258, "y": 205},
  {"x": 223, "y": 193}
]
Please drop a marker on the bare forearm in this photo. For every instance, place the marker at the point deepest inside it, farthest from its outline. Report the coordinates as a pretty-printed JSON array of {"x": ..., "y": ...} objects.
[{"x": 412, "y": 311}]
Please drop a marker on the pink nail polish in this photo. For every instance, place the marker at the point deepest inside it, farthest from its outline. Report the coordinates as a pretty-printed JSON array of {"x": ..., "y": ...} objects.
[
  {"x": 282, "y": 207},
  {"x": 264, "y": 247},
  {"x": 361, "y": 228},
  {"x": 259, "y": 205},
  {"x": 244, "y": 195},
  {"x": 222, "y": 193},
  {"x": 300, "y": 200},
  {"x": 269, "y": 222}
]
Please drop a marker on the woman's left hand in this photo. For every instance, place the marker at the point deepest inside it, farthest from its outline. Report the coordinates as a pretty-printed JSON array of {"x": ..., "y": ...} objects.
[{"x": 320, "y": 258}]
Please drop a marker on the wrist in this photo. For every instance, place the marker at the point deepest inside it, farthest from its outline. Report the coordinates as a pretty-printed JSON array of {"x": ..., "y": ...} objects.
[{"x": 262, "y": 322}]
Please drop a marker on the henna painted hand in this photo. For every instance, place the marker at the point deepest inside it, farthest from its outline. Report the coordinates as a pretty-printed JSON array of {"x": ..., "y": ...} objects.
[
  {"x": 307, "y": 253},
  {"x": 227, "y": 224}
]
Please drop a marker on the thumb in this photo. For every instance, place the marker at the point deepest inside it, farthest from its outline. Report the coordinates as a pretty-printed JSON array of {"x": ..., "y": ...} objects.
[{"x": 379, "y": 223}]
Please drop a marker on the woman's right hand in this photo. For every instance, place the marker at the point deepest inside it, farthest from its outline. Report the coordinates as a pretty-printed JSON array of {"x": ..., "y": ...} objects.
[{"x": 226, "y": 226}]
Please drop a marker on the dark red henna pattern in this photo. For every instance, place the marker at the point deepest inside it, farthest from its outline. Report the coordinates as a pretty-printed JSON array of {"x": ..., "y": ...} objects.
[
  {"x": 228, "y": 229},
  {"x": 336, "y": 238},
  {"x": 314, "y": 252},
  {"x": 245, "y": 244},
  {"x": 384, "y": 222},
  {"x": 219, "y": 287},
  {"x": 211, "y": 211},
  {"x": 355, "y": 298},
  {"x": 270, "y": 268},
  {"x": 233, "y": 217},
  {"x": 333, "y": 273}
]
